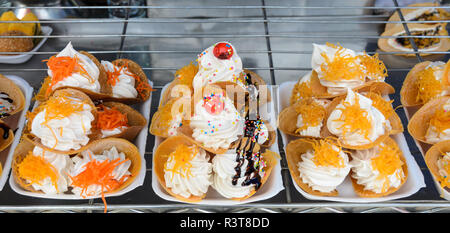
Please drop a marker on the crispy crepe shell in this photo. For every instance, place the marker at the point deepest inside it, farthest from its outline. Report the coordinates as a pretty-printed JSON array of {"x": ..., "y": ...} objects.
[
  {"x": 4, "y": 143},
  {"x": 95, "y": 134},
  {"x": 395, "y": 17},
  {"x": 160, "y": 128},
  {"x": 320, "y": 91},
  {"x": 14, "y": 92},
  {"x": 160, "y": 158},
  {"x": 21, "y": 151},
  {"x": 105, "y": 89},
  {"x": 443, "y": 46},
  {"x": 359, "y": 189},
  {"x": 287, "y": 121},
  {"x": 434, "y": 154},
  {"x": 129, "y": 149},
  {"x": 272, "y": 135},
  {"x": 294, "y": 150},
  {"x": 136, "y": 122},
  {"x": 409, "y": 91},
  {"x": 420, "y": 122},
  {"x": 332, "y": 106}
]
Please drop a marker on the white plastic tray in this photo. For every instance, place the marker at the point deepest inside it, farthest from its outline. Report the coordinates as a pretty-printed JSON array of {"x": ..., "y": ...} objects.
[
  {"x": 414, "y": 182},
  {"x": 17, "y": 59},
  {"x": 271, "y": 188},
  {"x": 140, "y": 142},
  {"x": 423, "y": 148},
  {"x": 16, "y": 121}
]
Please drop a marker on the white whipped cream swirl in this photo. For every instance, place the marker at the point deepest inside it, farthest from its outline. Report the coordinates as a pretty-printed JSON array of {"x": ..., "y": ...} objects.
[{"x": 124, "y": 87}]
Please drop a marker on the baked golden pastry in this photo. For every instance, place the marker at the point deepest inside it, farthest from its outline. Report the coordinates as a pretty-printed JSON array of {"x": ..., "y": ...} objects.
[{"x": 18, "y": 29}]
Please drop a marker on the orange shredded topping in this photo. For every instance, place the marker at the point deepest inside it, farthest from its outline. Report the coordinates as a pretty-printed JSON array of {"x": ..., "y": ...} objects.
[
  {"x": 387, "y": 163},
  {"x": 354, "y": 118},
  {"x": 63, "y": 67},
  {"x": 441, "y": 120},
  {"x": 186, "y": 74},
  {"x": 381, "y": 104},
  {"x": 341, "y": 67},
  {"x": 325, "y": 153},
  {"x": 182, "y": 157},
  {"x": 428, "y": 86},
  {"x": 445, "y": 180},
  {"x": 142, "y": 86},
  {"x": 98, "y": 173},
  {"x": 110, "y": 118},
  {"x": 373, "y": 65},
  {"x": 59, "y": 108},
  {"x": 301, "y": 90},
  {"x": 312, "y": 113},
  {"x": 35, "y": 169}
]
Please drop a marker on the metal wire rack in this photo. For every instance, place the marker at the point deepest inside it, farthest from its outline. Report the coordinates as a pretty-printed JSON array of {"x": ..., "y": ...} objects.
[{"x": 273, "y": 39}]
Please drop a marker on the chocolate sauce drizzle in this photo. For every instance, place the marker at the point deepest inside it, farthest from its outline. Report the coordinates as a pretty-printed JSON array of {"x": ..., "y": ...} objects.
[
  {"x": 245, "y": 152},
  {"x": 9, "y": 100},
  {"x": 6, "y": 130}
]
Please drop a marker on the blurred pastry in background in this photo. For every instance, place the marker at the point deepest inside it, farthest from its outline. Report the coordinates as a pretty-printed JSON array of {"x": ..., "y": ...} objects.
[
  {"x": 420, "y": 14},
  {"x": 18, "y": 29}
]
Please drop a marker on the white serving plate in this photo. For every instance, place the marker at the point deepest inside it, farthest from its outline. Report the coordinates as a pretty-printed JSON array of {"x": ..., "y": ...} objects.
[
  {"x": 17, "y": 59},
  {"x": 140, "y": 142},
  {"x": 414, "y": 182},
  {"x": 16, "y": 121},
  {"x": 271, "y": 188}
]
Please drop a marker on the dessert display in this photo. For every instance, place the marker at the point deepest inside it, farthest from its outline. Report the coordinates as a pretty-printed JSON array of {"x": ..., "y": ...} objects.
[
  {"x": 318, "y": 166},
  {"x": 18, "y": 29},
  {"x": 335, "y": 68},
  {"x": 121, "y": 80},
  {"x": 105, "y": 167},
  {"x": 421, "y": 14},
  {"x": 431, "y": 123},
  {"x": 119, "y": 120},
  {"x": 378, "y": 171},
  {"x": 64, "y": 123},
  {"x": 424, "y": 82}
]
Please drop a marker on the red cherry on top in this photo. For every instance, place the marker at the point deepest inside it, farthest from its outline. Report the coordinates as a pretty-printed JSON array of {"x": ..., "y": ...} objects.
[{"x": 223, "y": 51}]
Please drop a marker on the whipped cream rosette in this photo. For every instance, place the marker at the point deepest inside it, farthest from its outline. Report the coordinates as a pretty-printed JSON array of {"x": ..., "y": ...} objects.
[
  {"x": 425, "y": 81},
  {"x": 420, "y": 14},
  {"x": 392, "y": 40},
  {"x": 216, "y": 124},
  {"x": 240, "y": 173},
  {"x": 430, "y": 124},
  {"x": 356, "y": 122},
  {"x": 38, "y": 170},
  {"x": 318, "y": 166},
  {"x": 183, "y": 169},
  {"x": 335, "y": 69},
  {"x": 65, "y": 123},
  {"x": 378, "y": 171},
  {"x": 78, "y": 70},
  {"x": 119, "y": 120},
  {"x": 305, "y": 118},
  {"x": 437, "y": 159},
  {"x": 12, "y": 99},
  {"x": 127, "y": 80}
]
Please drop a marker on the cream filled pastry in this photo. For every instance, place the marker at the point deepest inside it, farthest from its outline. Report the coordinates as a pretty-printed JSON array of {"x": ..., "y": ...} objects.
[
  {"x": 443, "y": 164},
  {"x": 324, "y": 167},
  {"x": 216, "y": 123},
  {"x": 111, "y": 121},
  {"x": 439, "y": 128},
  {"x": 46, "y": 171},
  {"x": 6, "y": 105},
  {"x": 340, "y": 68},
  {"x": 121, "y": 80},
  {"x": 311, "y": 114},
  {"x": 356, "y": 121},
  {"x": 63, "y": 123},
  {"x": 378, "y": 169},
  {"x": 95, "y": 174},
  {"x": 218, "y": 63},
  {"x": 431, "y": 82},
  {"x": 69, "y": 68},
  {"x": 238, "y": 173},
  {"x": 188, "y": 171}
]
